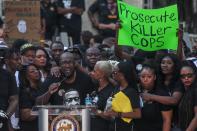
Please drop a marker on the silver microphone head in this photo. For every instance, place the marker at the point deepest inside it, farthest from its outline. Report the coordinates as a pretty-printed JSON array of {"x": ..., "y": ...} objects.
[{"x": 61, "y": 92}]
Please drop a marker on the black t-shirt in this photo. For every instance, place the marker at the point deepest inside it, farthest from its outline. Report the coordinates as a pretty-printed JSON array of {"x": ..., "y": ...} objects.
[
  {"x": 98, "y": 123},
  {"x": 49, "y": 11},
  {"x": 27, "y": 101},
  {"x": 103, "y": 95},
  {"x": 104, "y": 15},
  {"x": 152, "y": 114},
  {"x": 101, "y": 7},
  {"x": 186, "y": 107},
  {"x": 83, "y": 84},
  {"x": 133, "y": 96},
  {"x": 8, "y": 88},
  {"x": 71, "y": 22}
]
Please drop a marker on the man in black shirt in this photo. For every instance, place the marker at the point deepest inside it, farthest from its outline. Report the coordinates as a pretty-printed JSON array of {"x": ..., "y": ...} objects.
[
  {"x": 107, "y": 16},
  {"x": 71, "y": 79},
  {"x": 49, "y": 11},
  {"x": 8, "y": 97},
  {"x": 70, "y": 20}
]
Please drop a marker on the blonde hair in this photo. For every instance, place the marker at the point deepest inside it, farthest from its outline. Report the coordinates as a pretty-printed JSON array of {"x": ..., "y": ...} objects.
[{"x": 104, "y": 66}]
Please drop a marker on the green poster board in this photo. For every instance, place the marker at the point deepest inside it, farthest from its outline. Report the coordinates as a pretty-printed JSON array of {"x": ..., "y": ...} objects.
[{"x": 148, "y": 29}]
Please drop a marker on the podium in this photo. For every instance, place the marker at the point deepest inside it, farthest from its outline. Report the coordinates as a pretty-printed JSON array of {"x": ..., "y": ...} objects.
[{"x": 64, "y": 117}]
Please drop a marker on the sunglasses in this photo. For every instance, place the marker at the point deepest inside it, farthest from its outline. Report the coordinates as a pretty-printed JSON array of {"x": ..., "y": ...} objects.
[
  {"x": 183, "y": 76},
  {"x": 72, "y": 99}
]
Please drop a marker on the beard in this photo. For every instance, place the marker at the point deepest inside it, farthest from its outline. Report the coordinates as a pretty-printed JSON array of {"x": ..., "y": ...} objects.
[{"x": 69, "y": 75}]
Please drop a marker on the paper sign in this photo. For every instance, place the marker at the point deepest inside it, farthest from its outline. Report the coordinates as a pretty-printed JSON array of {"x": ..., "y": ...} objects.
[{"x": 148, "y": 29}]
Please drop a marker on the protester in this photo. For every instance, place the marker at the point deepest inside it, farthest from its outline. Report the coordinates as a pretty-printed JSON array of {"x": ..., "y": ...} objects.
[
  {"x": 27, "y": 53},
  {"x": 156, "y": 99},
  {"x": 8, "y": 94},
  {"x": 107, "y": 16},
  {"x": 70, "y": 20},
  {"x": 91, "y": 57},
  {"x": 49, "y": 11},
  {"x": 124, "y": 74},
  {"x": 57, "y": 48},
  {"x": 71, "y": 78},
  {"x": 29, "y": 90},
  {"x": 85, "y": 40},
  {"x": 155, "y": 116},
  {"x": 13, "y": 65},
  {"x": 101, "y": 73},
  {"x": 188, "y": 104},
  {"x": 42, "y": 61},
  {"x": 168, "y": 68}
]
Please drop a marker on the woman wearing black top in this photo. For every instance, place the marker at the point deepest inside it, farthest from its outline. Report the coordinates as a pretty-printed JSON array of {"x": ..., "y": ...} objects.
[
  {"x": 188, "y": 104},
  {"x": 42, "y": 61},
  {"x": 124, "y": 74},
  {"x": 29, "y": 89},
  {"x": 168, "y": 75},
  {"x": 101, "y": 73},
  {"x": 168, "y": 68},
  {"x": 155, "y": 116}
]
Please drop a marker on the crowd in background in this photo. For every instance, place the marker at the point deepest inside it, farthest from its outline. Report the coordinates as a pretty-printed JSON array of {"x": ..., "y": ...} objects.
[{"x": 160, "y": 86}]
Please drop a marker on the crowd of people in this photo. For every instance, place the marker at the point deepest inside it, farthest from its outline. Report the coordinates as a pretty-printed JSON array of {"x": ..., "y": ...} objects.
[{"x": 159, "y": 87}]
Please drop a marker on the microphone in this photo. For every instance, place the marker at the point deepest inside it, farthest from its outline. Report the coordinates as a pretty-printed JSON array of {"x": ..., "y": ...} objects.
[
  {"x": 63, "y": 79},
  {"x": 61, "y": 92}
]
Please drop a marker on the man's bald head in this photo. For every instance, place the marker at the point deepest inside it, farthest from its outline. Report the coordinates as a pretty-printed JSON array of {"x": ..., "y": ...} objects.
[{"x": 67, "y": 55}]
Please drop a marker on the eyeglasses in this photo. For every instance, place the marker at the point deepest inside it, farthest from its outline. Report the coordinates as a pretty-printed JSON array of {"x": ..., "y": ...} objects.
[
  {"x": 72, "y": 99},
  {"x": 183, "y": 76}
]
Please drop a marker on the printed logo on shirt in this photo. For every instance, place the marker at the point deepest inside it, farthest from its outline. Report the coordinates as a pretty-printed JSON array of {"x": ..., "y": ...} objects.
[{"x": 67, "y": 4}]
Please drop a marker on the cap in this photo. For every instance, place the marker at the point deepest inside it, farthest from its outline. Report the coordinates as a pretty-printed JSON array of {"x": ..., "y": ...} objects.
[{"x": 26, "y": 47}]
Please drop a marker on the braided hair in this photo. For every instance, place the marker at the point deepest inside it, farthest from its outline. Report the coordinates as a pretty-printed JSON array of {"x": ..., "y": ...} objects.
[{"x": 186, "y": 105}]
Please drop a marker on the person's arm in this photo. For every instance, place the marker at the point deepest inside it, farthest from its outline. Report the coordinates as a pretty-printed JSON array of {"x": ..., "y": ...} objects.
[
  {"x": 82, "y": 69},
  {"x": 193, "y": 124},
  {"x": 167, "y": 118},
  {"x": 13, "y": 95},
  {"x": 74, "y": 10},
  {"x": 166, "y": 100},
  {"x": 94, "y": 9},
  {"x": 44, "y": 99},
  {"x": 118, "y": 49},
  {"x": 136, "y": 114},
  {"x": 26, "y": 115},
  {"x": 120, "y": 53},
  {"x": 111, "y": 26},
  {"x": 180, "y": 52},
  {"x": 13, "y": 102}
]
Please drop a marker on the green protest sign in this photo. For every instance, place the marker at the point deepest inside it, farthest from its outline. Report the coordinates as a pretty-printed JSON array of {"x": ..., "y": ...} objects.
[{"x": 148, "y": 29}]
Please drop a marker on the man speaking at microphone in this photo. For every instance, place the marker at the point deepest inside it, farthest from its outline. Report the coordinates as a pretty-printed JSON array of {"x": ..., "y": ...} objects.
[{"x": 71, "y": 78}]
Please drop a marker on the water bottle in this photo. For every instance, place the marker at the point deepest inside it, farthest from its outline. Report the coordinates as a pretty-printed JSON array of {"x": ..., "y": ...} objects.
[
  {"x": 88, "y": 100},
  {"x": 141, "y": 102},
  {"x": 108, "y": 104},
  {"x": 95, "y": 100}
]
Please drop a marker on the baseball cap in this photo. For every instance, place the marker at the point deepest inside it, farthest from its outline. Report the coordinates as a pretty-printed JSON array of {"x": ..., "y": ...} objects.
[{"x": 26, "y": 47}]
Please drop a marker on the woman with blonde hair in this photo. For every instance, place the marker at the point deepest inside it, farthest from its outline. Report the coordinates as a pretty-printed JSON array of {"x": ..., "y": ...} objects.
[{"x": 101, "y": 73}]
